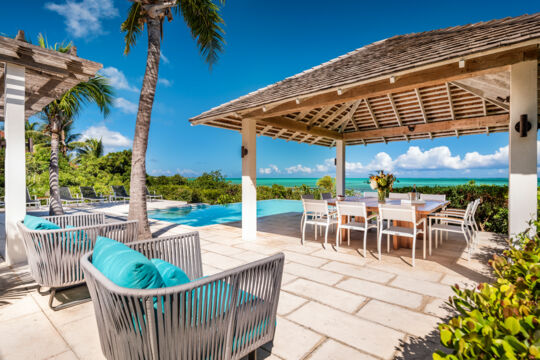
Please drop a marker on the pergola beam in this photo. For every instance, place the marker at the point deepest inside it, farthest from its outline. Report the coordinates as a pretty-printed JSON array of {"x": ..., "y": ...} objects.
[
  {"x": 373, "y": 117},
  {"x": 396, "y": 112},
  {"x": 299, "y": 127},
  {"x": 421, "y": 105},
  {"x": 432, "y": 127}
]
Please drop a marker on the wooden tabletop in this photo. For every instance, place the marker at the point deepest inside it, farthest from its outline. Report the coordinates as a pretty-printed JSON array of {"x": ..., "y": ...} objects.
[{"x": 372, "y": 204}]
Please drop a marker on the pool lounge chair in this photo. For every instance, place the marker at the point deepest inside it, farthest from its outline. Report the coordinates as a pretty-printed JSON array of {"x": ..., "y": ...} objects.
[
  {"x": 54, "y": 255},
  {"x": 88, "y": 193},
  {"x": 119, "y": 193},
  {"x": 32, "y": 202},
  {"x": 223, "y": 316},
  {"x": 153, "y": 196},
  {"x": 66, "y": 198}
]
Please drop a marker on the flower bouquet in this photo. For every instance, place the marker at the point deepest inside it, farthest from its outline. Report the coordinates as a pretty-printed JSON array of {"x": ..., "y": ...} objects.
[{"x": 382, "y": 183}]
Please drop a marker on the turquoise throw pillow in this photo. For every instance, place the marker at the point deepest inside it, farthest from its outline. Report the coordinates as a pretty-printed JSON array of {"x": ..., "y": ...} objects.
[
  {"x": 124, "y": 266},
  {"x": 77, "y": 239},
  {"x": 171, "y": 275},
  {"x": 37, "y": 223}
]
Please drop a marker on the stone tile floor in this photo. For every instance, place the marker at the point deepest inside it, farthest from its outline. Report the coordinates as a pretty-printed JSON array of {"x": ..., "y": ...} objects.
[{"x": 333, "y": 304}]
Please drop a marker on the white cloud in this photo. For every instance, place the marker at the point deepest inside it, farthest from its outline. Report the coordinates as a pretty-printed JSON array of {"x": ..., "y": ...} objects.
[
  {"x": 269, "y": 170},
  {"x": 164, "y": 58},
  {"x": 118, "y": 79},
  {"x": 83, "y": 18},
  {"x": 299, "y": 169},
  {"x": 165, "y": 82},
  {"x": 111, "y": 139},
  {"x": 187, "y": 172},
  {"x": 125, "y": 106}
]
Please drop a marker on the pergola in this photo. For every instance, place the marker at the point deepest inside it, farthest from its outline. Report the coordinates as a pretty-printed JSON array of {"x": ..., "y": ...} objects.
[
  {"x": 31, "y": 78},
  {"x": 474, "y": 79}
]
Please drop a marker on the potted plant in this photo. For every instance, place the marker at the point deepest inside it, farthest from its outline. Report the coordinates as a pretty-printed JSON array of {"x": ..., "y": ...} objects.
[{"x": 382, "y": 183}]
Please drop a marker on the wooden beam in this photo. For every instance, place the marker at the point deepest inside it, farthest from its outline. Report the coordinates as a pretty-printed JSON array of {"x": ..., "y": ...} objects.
[
  {"x": 421, "y": 104},
  {"x": 334, "y": 115},
  {"x": 490, "y": 63},
  {"x": 282, "y": 122},
  {"x": 315, "y": 139},
  {"x": 266, "y": 128},
  {"x": 432, "y": 127},
  {"x": 321, "y": 112},
  {"x": 481, "y": 95},
  {"x": 349, "y": 116},
  {"x": 368, "y": 105},
  {"x": 391, "y": 99},
  {"x": 279, "y": 133},
  {"x": 451, "y": 104}
]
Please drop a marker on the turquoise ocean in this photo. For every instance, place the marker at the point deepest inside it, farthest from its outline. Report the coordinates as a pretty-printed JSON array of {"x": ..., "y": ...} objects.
[{"x": 361, "y": 184}]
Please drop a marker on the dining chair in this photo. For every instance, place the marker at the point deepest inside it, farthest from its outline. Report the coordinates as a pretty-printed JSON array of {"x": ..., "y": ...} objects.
[
  {"x": 326, "y": 196},
  {"x": 392, "y": 213},
  {"x": 457, "y": 224},
  {"x": 401, "y": 196},
  {"x": 353, "y": 210},
  {"x": 470, "y": 219},
  {"x": 307, "y": 196},
  {"x": 370, "y": 194},
  {"x": 316, "y": 213}
]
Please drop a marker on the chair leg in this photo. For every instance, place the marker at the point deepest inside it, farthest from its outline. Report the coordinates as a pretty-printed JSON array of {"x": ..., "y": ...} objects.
[
  {"x": 326, "y": 235},
  {"x": 349, "y": 237},
  {"x": 379, "y": 244},
  {"x": 304, "y": 232},
  {"x": 302, "y": 222},
  {"x": 337, "y": 236},
  {"x": 413, "y": 248},
  {"x": 252, "y": 355},
  {"x": 365, "y": 240},
  {"x": 387, "y": 243},
  {"x": 430, "y": 235},
  {"x": 52, "y": 293}
]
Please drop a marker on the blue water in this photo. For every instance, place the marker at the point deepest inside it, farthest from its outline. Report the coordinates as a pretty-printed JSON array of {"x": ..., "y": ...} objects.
[{"x": 201, "y": 215}]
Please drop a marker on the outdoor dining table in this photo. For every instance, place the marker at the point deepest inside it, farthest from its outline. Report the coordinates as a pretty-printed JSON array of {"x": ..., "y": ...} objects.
[{"x": 372, "y": 206}]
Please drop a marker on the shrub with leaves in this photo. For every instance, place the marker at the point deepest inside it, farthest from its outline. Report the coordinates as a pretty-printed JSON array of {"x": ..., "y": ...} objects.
[{"x": 499, "y": 320}]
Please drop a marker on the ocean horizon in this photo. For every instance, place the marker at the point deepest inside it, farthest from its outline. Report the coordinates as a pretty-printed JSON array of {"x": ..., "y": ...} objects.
[{"x": 361, "y": 184}]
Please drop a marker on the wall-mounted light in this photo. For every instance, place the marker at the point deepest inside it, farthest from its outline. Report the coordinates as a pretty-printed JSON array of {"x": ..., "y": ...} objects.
[
  {"x": 335, "y": 161},
  {"x": 411, "y": 128},
  {"x": 264, "y": 109},
  {"x": 297, "y": 101},
  {"x": 243, "y": 151},
  {"x": 392, "y": 79},
  {"x": 461, "y": 63},
  {"x": 523, "y": 126},
  {"x": 339, "y": 91}
]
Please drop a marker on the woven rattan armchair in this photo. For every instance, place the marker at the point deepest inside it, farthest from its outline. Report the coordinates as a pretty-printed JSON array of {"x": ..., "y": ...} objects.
[
  {"x": 54, "y": 255},
  {"x": 223, "y": 316}
]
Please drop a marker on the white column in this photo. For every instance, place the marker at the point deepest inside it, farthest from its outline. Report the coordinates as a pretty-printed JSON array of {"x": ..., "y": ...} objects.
[
  {"x": 522, "y": 173},
  {"x": 340, "y": 167},
  {"x": 15, "y": 185},
  {"x": 249, "y": 180}
]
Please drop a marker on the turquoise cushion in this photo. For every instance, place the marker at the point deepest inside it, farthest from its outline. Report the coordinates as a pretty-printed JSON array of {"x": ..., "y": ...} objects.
[
  {"x": 77, "y": 240},
  {"x": 124, "y": 266},
  {"x": 37, "y": 223},
  {"x": 171, "y": 275}
]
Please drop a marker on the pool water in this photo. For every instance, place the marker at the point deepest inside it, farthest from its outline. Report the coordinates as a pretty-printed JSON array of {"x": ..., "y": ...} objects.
[{"x": 201, "y": 215}]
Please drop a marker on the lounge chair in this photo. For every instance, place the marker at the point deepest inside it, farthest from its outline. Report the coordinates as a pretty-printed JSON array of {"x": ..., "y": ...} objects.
[
  {"x": 153, "y": 196},
  {"x": 53, "y": 255},
  {"x": 66, "y": 198},
  {"x": 223, "y": 316},
  {"x": 88, "y": 193},
  {"x": 119, "y": 193},
  {"x": 32, "y": 202}
]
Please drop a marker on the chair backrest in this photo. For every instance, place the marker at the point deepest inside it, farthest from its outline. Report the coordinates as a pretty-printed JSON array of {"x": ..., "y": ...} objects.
[
  {"x": 88, "y": 192},
  {"x": 326, "y": 196},
  {"x": 120, "y": 191},
  {"x": 402, "y": 196},
  {"x": 370, "y": 194},
  {"x": 397, "y": 212},
  {"x": 474, "y": 207},
  {"x": 315, "y": 206},
  {"x": 433, "y": 197},
  {"x": 307, "y": 197},
  {"x": 28, "y": 197},
  {"x": 147, "y": 192},
  {"x": 351, "y": 208},
  {"x": 65, "y": 193}
]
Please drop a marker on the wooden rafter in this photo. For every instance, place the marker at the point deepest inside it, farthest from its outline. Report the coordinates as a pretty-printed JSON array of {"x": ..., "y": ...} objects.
[
  {"x": 450, "y": 102},
  {"x": 421, "y": 105},
  {"x": 348, "y": 116},
  {"x": 279, "y": 133},
  {"x": 479, "y": 93},
  {"x": 335, "y": 114},
  {"x": 315, "y": 139},
  {"x": 396, "y": 112},
  {"x": 265, "y": 129},
  {"x": 368, "y": 105},
  {"x": 321, "y": 112}
]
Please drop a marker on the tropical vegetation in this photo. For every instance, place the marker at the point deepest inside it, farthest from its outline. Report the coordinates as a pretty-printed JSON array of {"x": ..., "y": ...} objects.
[
  {"x": 499, "y": 320},
  {"x": 203, "y": 19}
]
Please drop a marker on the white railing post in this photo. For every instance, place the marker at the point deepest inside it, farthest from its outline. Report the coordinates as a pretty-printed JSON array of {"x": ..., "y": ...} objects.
[
  {"x": 249, "y": 179},
  {"x": 522, "y": 167},
  {"x": 340, "y": 167},
  {"x": 15, "y": 169}
]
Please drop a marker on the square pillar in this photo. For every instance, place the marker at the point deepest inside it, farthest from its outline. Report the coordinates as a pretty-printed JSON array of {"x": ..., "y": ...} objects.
[
  {"x": 522, "y": 167},
  {"x": 249, "y": 180},
  {"x": 15, "y": 161},
  {"x": 340, "y": 167}
]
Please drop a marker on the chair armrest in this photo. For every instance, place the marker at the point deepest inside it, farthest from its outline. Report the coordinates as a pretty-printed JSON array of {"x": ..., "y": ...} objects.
[
  {"x": 422, "y": 220},
  {"x": 455, "y": 210},
  {"x": 372, "y": 216},
  {"x": 447, "y": 219}
]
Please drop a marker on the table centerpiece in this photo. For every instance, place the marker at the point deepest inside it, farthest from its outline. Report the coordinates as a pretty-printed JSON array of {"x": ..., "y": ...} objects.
[{"x": 383, "y": 183}]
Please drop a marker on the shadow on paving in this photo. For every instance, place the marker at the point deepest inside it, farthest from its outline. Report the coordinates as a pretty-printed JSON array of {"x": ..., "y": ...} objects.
[{"x": 13, "y": 286}]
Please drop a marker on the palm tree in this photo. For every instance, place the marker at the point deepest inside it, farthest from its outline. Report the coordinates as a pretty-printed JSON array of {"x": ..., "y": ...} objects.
[
  {"x": 90, "y": 148},
  {"x": 203, "y": 19},
  {"x": 60, "y": 113}
]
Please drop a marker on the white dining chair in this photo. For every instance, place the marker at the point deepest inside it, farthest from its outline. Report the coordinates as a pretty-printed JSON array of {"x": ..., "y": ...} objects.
[
  {"x": 469, "y": 218},
  {"x": 400, "y": 196},
  {"x": 457, "y": 224},
  {"x": 370, "y": 194},
  {"x": 316, "y": 213},
  {"x": 352, "y": 210},
  {"x": 390, "y": 213}
]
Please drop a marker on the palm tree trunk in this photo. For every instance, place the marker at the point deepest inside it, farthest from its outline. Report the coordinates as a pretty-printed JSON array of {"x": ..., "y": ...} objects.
[
  {"x": 55, "y": 206},
  {"x": 137, "y": 191}
]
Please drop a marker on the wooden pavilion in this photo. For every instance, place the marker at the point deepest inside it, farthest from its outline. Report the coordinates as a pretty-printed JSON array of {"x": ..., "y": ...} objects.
[
  {"x": 30, "y": 79},
  {"x": 474, "y": 79}
]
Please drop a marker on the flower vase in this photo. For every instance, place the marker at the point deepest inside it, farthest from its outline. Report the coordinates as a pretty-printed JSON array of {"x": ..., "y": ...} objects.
[{"x": 381, "y": 194}]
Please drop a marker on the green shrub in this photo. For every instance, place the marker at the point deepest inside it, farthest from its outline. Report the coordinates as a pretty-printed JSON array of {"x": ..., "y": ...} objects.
[{"x": 499, "y": 320}]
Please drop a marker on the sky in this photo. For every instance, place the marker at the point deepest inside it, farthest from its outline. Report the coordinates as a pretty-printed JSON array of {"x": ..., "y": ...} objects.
[{"x": 266, "y": 41}]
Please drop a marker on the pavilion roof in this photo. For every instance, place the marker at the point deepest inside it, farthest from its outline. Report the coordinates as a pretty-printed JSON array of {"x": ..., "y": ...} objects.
[
  {"x": 407, "y": 80},
  {"x": 48, "y": 74}
]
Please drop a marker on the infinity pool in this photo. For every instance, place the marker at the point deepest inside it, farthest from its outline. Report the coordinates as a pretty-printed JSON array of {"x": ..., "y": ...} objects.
[{"x": 201, "y": 215}]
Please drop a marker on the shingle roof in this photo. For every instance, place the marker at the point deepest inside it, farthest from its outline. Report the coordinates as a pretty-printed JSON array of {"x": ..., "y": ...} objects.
[{"x": 389, "y": 56}]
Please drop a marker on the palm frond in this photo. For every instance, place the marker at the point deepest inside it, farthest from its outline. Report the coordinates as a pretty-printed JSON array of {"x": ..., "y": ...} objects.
[
  {"x": 205, "y": 23},
  {"x": 132, "y": 26}
]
